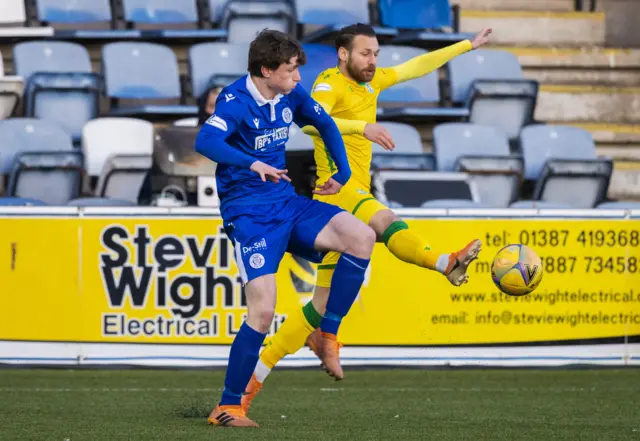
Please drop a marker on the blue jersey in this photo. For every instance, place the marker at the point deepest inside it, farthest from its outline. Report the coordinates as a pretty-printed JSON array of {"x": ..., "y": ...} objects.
[{"x": 246, "y": 128}]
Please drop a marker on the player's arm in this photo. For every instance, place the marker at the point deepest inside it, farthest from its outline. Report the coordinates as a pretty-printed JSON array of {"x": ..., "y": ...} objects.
[
  {"x": 309, "y": 112},
  {"x": 427, "y": 63},
  {"x": 324, "y": 94},
  {"x": 211, "y": 142}
]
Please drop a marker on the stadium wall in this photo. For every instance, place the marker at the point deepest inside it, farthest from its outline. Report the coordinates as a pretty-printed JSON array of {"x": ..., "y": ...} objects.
[{"x": 159, "y": 287}]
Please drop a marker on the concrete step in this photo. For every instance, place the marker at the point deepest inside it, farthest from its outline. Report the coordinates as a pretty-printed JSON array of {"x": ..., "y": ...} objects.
[
  {"x": 517, "y": 5},
  {"x": 571, "y": 103},
  {"x": 593, "y": 66},
  {"x": 538, "y": 29}
]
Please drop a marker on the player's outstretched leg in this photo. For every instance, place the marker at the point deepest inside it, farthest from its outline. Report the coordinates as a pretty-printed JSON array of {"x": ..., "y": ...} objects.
[
  {"x": 346, "y": 235},
  {"x": 261, "y": 294},
  {"x": 409, "y": 246}
]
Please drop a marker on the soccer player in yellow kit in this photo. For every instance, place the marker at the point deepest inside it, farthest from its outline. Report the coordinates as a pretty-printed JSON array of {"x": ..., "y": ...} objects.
[{"x": 349, "y": 93}]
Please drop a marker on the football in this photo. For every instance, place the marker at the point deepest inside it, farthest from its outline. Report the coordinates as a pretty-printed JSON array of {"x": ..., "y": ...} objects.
[{"x": 516, "y": 270}]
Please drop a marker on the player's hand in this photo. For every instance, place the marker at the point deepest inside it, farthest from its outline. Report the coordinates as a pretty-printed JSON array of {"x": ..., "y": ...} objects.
[
  {"x": 267, "y": 172},
  {"x": 378, "y": 134},
  {"x": 482, "y": 38},
  {"x": 330, "y": 187}
]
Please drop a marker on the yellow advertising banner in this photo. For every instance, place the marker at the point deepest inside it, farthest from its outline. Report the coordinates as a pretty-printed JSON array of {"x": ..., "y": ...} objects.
[{"x": 174, "y": 280}]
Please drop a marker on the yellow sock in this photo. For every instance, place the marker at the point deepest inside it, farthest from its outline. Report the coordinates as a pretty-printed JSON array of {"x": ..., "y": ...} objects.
[
  {"x": 409, "y": 246},
  {"x": 292, "y": 335}
]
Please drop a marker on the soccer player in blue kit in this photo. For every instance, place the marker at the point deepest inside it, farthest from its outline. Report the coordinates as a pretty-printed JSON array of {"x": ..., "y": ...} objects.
[{"x": 262, "y": 214}]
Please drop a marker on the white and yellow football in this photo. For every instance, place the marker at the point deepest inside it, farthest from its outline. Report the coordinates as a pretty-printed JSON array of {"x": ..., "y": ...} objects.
[{"x": 516, "y": 270}]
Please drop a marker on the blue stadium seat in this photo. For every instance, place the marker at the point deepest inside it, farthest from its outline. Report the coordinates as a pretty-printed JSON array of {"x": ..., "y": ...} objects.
[
  {"x": 99, "y": 202},
  {"x": 563, "y": 162},
  {"x": 41, "y": 159},
  {"x": 416, "y": 100},
  {"x": 451, "y": 203},
  {"x": 481, "y": 64},
  {"x": 18, "y": 202},
  {"x": 163, "y": 19},
  {"x": 216, "y": 9},
  {"x": 428, "y": 24},
  {"x": 334, "y": 15},
  {"x": 160, "y": 12},
  {"x": 244, "y": 20},
  {"x": 74, "y": 11},
  {"x": 82, "y": 20},
  {"x": 490, "y": 84},
  {"x": 320, "y": 57},
  {"x": 483, "y": 153},
  {"x": 619, "y": 205},
  {"x": 141, "y": 72},
  {"x": 539, "y": 204},
  {"x": 216, "y": 64},
  {"x": 60, "y": 85},
  {"x": 408, "y": 153}
]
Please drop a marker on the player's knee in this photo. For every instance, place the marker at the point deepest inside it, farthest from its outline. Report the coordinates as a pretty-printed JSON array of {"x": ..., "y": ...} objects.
[
  {"x": 361, "y": 242},
  {"x": 262, "y": 318}
]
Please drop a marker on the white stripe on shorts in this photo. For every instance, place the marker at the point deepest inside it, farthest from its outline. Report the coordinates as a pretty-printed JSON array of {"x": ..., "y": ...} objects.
[{"x": 238, "y": 255}]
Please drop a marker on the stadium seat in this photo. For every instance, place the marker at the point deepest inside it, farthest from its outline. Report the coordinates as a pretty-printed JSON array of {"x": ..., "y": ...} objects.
[
  {"x": 139, "y": 72},
  {"x": 17, "y": 202},
  {"x": 619, "y": 205},
  {"x": 489, "y": 83},
  {"x": 320, "y": 57},
  {"x": 99, "y": 202},
  {"x": 539, "y": 204},
  {"x": 483, "y": 153},
  {"x": 216, "y": 9},
  {"x": 13, "y": 13},
  {"x": 119, "y": 151},
  {"x": 416, "y": 100},
  {"x": 60, "y": 85},
  {"x": 413, "y": 188},
  {"x": 452, "y": 203},
  {"x": 563, "y": 162},
  {"x": 408, "y": 153},
  {"x": 428, "y": 24},
  {"x": 186, "y": 122},
  {"x": 164, "y": 19},
  {"x": 243, "y": 20},
  {"x": 216, "y": 64},
  {"x": 11, "y": 89},
  {"x": 75, "y": 12},
  {"x": 333, "y": 15},
  {"x": 40, "y": 158}
]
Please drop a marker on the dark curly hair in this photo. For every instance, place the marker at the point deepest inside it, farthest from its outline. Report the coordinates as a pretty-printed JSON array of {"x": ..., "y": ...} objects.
[
  {"x": 347, "y": 34},
  {"x": 271, "y": 49}
]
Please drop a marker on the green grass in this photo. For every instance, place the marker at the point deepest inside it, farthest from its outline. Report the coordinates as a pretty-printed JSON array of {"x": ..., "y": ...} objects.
[{"x": 306, "y": 405}]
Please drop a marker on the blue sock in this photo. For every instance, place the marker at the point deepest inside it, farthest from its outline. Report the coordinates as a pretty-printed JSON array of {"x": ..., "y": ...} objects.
[
  {"x": 243, "y": 358},
  {"x": 345, "y": 286}
]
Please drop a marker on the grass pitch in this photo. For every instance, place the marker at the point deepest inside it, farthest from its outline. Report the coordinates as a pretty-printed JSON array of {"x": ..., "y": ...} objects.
[{"x": 306, "y": 405}]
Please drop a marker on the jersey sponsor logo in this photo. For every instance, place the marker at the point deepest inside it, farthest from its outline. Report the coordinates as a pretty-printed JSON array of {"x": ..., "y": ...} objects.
[
  {"x": 270, "y": 136},
  {"x": 229, "y": 97},
  {"x": 256, "y": 261},
  {"x": 322, "y": 87},
  {"x": 318, "y": 108},
  {"x": 261, "y": 245},
  {"x": 217, "y": 122},
  {"x": 369, "y": 88},
  {"x": 287, "y": 116},
  {"x": 256, "y": 122}
]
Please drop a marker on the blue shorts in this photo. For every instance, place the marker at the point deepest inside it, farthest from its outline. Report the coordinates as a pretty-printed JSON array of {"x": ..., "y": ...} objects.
[{"x": 261, "y": 234}]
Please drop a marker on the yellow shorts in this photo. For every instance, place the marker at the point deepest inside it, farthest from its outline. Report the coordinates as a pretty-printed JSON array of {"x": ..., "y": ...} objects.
[{"x": 358, "y": 201}]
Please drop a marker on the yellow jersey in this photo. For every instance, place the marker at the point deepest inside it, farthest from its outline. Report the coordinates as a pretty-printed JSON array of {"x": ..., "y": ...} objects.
[{"x": 354, "y": 105}]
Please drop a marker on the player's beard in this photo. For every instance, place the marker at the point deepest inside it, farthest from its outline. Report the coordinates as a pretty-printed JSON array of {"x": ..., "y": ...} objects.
[{"x": 361, "y": 75}]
